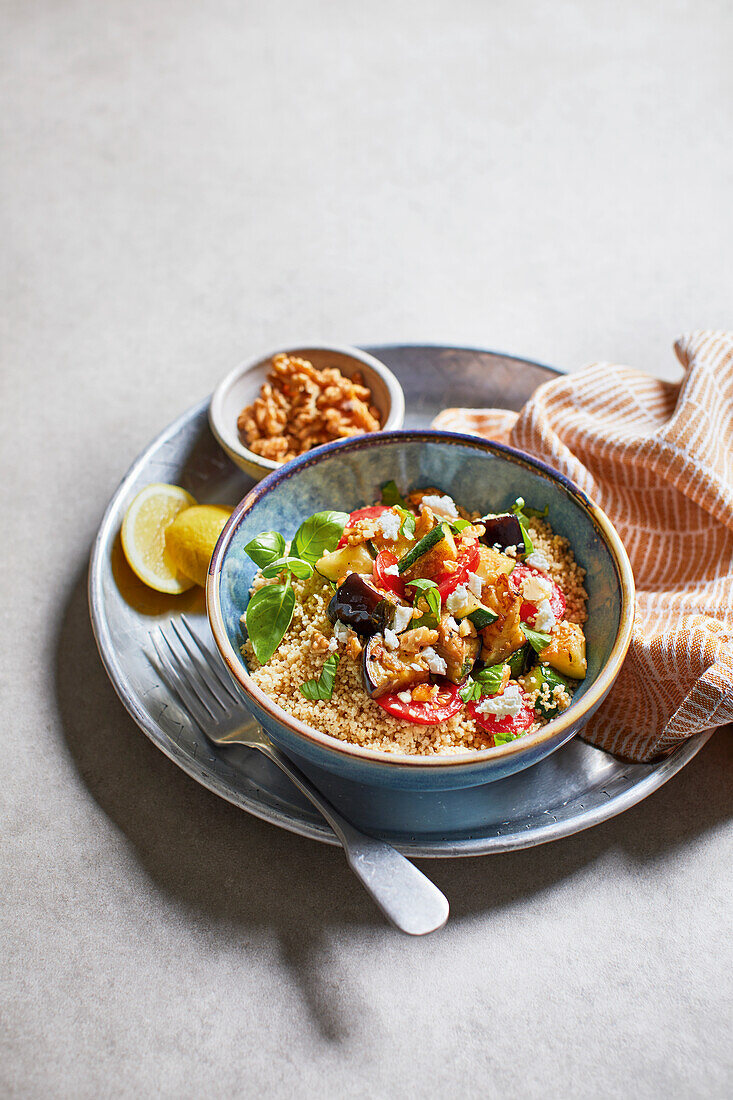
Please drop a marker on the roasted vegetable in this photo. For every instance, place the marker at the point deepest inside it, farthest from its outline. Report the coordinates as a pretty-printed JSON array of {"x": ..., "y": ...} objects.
[
  {"x": 520, "y": 661},
  {"x": 385, "y": 670},
  {"x": 349, "y": 559},
  {"x": 458, "y": 653},
  {"x": 482, "y": 617},
  {"x": 461, "y": 603},
  {"x": 504, "y": 636},
  {"x": 361, "y": 606},
  {"x": 545, "y": 703},
  {"x": 566, "y": 651},
  {"x": 492, "y": 564},
  {"x": 503, "y": 531},
  {"x": 426, "y": 543}
]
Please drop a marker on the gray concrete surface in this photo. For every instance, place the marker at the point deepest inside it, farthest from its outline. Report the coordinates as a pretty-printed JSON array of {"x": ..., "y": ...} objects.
[{"x": 183, "y": 184}]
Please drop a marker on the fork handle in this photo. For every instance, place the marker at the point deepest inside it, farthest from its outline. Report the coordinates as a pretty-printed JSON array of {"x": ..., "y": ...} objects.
[{"x": 405, "y": 895}]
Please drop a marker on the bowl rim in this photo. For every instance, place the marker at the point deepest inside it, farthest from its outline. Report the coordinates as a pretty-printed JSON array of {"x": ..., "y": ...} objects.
[
  {"x": 234, "y": 447},
  {"x": 475, "y": 757}
]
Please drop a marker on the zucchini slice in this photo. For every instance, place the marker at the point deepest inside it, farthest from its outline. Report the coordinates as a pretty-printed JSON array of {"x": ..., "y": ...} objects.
[
  {"x": 535, "y": 680},
  {"x": 427, "y": 542},
  {"x": 566, "y": 651},
  {"x": 349, "y": 559},
  {"x": 481, "y": 617},
  {"x": 520, "y": 661}
]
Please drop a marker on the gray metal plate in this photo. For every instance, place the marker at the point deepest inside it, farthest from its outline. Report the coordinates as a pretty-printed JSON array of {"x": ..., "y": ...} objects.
[{"x": 576, "y": 787}]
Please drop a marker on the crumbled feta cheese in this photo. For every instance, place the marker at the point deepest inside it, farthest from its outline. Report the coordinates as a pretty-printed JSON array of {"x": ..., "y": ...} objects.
[
  {"x": 536, "y": 588},
  {"x": 457, "y": 599},
  {"x": 390, "y": 639},
  {"x": 440, "y": 506},
  {"x": 544, "y": 619},
  {"x": 402, "y": 619},
  {"x": 404, "y": 696},
  {"x": 391, "y": 571},
  {"x": 538, "y": 560},
  {"x": 435, "y": 662},
  {"x": 389, "y": 525},
  {"x": 475, "y": 584},
  {"x": 451, "y": 623},
  {"x": 332, "y": 645},
  {"x": 506, "y": 705},
  {"x": 340, "y": 632}
]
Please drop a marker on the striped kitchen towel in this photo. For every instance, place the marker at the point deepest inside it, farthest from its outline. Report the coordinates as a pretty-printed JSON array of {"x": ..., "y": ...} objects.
[{"x": 658, "y": 458}]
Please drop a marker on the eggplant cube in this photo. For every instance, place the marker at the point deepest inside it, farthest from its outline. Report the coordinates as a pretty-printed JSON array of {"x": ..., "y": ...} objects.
[
  {"x": 503, "y": 531},
  {"x": 386, "y": 670},
  {"x": 359, "y": 605}
]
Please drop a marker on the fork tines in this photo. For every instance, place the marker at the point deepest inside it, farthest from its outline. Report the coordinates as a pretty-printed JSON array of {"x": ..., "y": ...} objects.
[{"x": 199, "y": 683}]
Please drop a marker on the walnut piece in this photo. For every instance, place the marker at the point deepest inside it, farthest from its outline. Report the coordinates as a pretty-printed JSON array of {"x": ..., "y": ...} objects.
[{"x": 300, "y": 407}]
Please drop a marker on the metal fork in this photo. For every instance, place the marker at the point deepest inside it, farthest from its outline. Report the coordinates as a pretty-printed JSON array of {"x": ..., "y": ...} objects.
[{"x": 403, "y": 893}]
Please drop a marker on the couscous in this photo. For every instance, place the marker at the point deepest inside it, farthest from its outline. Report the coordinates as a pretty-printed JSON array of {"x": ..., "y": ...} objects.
[{"x": 412, "y": 626}]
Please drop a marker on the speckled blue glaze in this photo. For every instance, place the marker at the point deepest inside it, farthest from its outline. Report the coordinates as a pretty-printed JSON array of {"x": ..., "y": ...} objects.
[{"x": 479, "y": 475}]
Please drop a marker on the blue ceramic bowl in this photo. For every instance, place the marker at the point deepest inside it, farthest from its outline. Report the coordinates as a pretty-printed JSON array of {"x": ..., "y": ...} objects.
[{"x": 480, "y": 475}]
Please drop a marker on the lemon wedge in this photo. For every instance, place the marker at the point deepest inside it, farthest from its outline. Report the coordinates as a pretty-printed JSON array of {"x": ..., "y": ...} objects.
[
  {"x": 191, "y": 538},
  {"x": 143, "y": 536}
]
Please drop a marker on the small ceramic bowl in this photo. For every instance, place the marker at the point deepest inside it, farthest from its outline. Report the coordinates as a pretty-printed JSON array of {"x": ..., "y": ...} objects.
[
  {"x": 242, "y": 385},
  {"x": 480, "y": 475}
]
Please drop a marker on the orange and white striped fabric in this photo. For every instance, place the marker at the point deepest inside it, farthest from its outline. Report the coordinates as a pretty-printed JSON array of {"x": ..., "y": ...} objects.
[{"x": 658, "y": 458}]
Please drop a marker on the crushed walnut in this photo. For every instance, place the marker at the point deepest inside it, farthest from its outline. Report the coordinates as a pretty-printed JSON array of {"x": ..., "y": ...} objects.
[{"x": 300, "y": 407}]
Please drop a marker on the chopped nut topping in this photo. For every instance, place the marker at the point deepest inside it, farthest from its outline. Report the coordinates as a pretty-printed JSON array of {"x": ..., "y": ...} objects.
[
  {"x": 300, "y": 407},
  {"x": 320, "y": 643},
  {"x": 424, "y": 693}
]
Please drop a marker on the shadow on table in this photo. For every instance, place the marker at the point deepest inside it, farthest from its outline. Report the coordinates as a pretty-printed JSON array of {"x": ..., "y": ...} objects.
[{"x": 243, "y": 873}]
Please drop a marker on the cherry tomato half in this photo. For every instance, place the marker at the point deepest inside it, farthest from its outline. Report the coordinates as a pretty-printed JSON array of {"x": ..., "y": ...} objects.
[
  {"x": 519, "y": 573},
  {"x": 383, "y": 579},
  {"x": 468, "y": 561},
  {"x": 441, "y": 709},
  {"x": 516, "y": 724},
  {"x": 372, "y": 512}
]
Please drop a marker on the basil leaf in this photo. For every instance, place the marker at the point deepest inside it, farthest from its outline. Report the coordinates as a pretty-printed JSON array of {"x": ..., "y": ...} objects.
[
  {"x": 407, "y": 527},
  {"x": 524, "y": 514},
  {"x": 536, "y": 640},
  {"x": 520, "y": 508},
  {"x": 265, "y": 548},
  {"x": 422, "y": 584},
  {"x": 322, "y": 688},
  {"x": 429, "y": 590},
  {"x": 391, "y": 494},
  {"x": 470, "y": 691},
  {"x": 490, "y": 679},
  {"x": 528, "y": 544},
  {"x": 459, "y": 524},
  {"x": 296, "y": 566},
  {"x": 268, "y": 616},
  {"x": 318, "y": 535},
  {"x": 503, "y": 737},
  {"x": 434, "y": 601}
]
